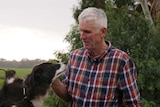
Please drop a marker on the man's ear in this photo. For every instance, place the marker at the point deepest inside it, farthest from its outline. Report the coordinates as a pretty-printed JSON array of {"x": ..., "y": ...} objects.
[{"x": 103, "y": 31}]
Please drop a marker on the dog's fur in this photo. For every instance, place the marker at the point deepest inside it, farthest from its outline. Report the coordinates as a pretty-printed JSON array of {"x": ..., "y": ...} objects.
[{"x": 30, "y": 91}]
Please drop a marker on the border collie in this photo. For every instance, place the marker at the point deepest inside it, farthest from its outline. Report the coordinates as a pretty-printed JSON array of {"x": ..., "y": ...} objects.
[{"x": 31, "y": 91}]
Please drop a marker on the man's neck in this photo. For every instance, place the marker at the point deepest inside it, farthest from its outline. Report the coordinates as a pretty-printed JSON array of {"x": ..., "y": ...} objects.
[{"x": 96, "y": 53}]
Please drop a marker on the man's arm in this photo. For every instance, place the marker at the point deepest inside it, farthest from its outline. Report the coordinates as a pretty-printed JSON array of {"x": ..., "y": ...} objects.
[
  {"x": 129, "y": 85},
  {"x": 60, "y": 90}
]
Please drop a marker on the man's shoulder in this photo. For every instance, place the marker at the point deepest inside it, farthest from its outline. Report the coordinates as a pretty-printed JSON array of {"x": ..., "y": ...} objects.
[
  {"x": 119, "y": 53},
  {"x": 115, "y": 52}
]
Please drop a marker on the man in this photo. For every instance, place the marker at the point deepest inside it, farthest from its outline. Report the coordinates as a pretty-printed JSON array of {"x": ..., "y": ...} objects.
[{"x": 98, "y": 75}]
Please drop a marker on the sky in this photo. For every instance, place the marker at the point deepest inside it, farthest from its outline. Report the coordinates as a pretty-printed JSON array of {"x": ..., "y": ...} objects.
[{"x": 34, "y": 29}]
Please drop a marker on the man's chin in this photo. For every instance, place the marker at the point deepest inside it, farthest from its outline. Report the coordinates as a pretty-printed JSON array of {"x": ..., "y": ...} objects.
[{"x": 85, "y": 46}]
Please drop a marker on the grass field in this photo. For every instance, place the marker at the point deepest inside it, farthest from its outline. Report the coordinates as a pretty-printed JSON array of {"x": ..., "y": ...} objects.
[{"x": 20, "y": 72}]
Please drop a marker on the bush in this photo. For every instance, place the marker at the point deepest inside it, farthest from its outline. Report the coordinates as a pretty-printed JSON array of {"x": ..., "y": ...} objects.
[{"x": 54, "y": 101}]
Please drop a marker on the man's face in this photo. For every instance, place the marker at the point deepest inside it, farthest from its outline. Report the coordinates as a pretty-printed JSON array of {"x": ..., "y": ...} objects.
[{"x": 90, "y": 35}]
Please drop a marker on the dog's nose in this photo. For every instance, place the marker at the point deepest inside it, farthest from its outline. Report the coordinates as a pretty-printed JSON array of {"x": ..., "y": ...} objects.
[{"x": 65, "y": 62}]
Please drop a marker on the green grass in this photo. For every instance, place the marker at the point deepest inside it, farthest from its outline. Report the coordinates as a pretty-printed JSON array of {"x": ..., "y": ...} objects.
[{"x": 20, "y": 72}]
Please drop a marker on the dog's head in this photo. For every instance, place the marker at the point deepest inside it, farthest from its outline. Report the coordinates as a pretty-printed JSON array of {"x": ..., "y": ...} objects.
[
  {"x": 9, "y": 75},
  {"x": 46, "y": 73}
]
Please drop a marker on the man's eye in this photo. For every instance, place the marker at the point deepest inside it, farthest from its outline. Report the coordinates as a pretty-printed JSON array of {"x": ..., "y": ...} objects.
[{"x": 85, "y": 31}]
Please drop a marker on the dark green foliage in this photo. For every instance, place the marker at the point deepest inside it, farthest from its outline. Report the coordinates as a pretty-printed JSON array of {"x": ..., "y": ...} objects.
[
  {"x": 54, "y": 101},
  {"x": 73, "y": 38},
  {"x": 121, "y": 3}
]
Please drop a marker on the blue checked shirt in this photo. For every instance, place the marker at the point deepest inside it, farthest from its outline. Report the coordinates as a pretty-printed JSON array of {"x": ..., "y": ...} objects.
[{"x": 95, "y": 83}]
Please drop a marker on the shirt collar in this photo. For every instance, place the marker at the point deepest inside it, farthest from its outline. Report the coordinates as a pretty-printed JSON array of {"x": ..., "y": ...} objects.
[{"x": 98, "y": 60}]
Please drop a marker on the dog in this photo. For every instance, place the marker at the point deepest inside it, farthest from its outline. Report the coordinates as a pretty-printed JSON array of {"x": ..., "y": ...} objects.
[
  {"x": 31, "y": 91},
  {"x": 9, "y": 76}
]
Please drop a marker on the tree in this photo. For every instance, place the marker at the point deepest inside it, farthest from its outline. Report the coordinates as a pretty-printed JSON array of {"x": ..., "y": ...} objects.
[
  {"x": 73, "y": 38},
  {"x": 147, "y": 13},
  {"x": 155, "y": 10}
]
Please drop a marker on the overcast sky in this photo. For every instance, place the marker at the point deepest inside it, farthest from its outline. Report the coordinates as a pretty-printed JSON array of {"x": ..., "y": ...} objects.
[{"x": 34, "y": 28}]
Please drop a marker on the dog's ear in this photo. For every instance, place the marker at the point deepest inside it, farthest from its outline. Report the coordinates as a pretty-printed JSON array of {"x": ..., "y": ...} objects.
[
  {"x": 38, "y": 76},
  {"x": 36, "y": 73},
  {"x": 34, "y": 78}
]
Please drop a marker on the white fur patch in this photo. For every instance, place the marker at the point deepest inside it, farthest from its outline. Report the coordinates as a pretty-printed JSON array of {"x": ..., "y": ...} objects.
[
  {"x": 60, "y": 71},
  {"x": 9, "y": 81},
  {"x": 38, "y": 101}
]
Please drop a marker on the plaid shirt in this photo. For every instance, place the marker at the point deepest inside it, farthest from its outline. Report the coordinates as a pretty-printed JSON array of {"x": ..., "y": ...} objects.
[{"x": 95, "y": 83}]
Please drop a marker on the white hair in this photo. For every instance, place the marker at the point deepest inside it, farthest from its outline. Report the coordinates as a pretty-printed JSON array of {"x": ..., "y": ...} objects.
[{"x": 94, "y": 14}]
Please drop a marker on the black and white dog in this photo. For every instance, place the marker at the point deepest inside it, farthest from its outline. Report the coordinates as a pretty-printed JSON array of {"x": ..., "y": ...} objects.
[
  {"x": 9, "y": 76},
  {"x": 30, "y": 91}
]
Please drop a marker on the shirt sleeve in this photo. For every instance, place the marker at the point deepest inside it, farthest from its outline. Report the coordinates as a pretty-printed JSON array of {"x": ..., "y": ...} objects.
[
  {"x": 65, "y": 78},
  {"x": 128, "y": 85}
]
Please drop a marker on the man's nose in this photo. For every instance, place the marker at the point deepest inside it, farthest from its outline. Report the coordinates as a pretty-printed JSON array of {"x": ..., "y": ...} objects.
[{"x": 82, "y": 35}]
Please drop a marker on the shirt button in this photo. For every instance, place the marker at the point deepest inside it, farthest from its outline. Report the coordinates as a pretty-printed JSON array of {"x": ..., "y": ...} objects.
[{"x": 113, "y": 97}]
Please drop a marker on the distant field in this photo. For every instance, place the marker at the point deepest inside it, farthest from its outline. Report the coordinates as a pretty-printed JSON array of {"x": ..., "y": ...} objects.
[{"x": 20, "y": 72}]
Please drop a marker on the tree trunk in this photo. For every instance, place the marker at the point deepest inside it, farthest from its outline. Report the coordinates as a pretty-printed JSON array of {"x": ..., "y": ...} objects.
[
  {"x": 155, "y": 10},
  {"x": 146, "y": 12}
]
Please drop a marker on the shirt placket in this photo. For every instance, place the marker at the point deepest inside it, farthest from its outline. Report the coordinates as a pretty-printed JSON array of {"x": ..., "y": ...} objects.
[{"x": 89, "y": 88}]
